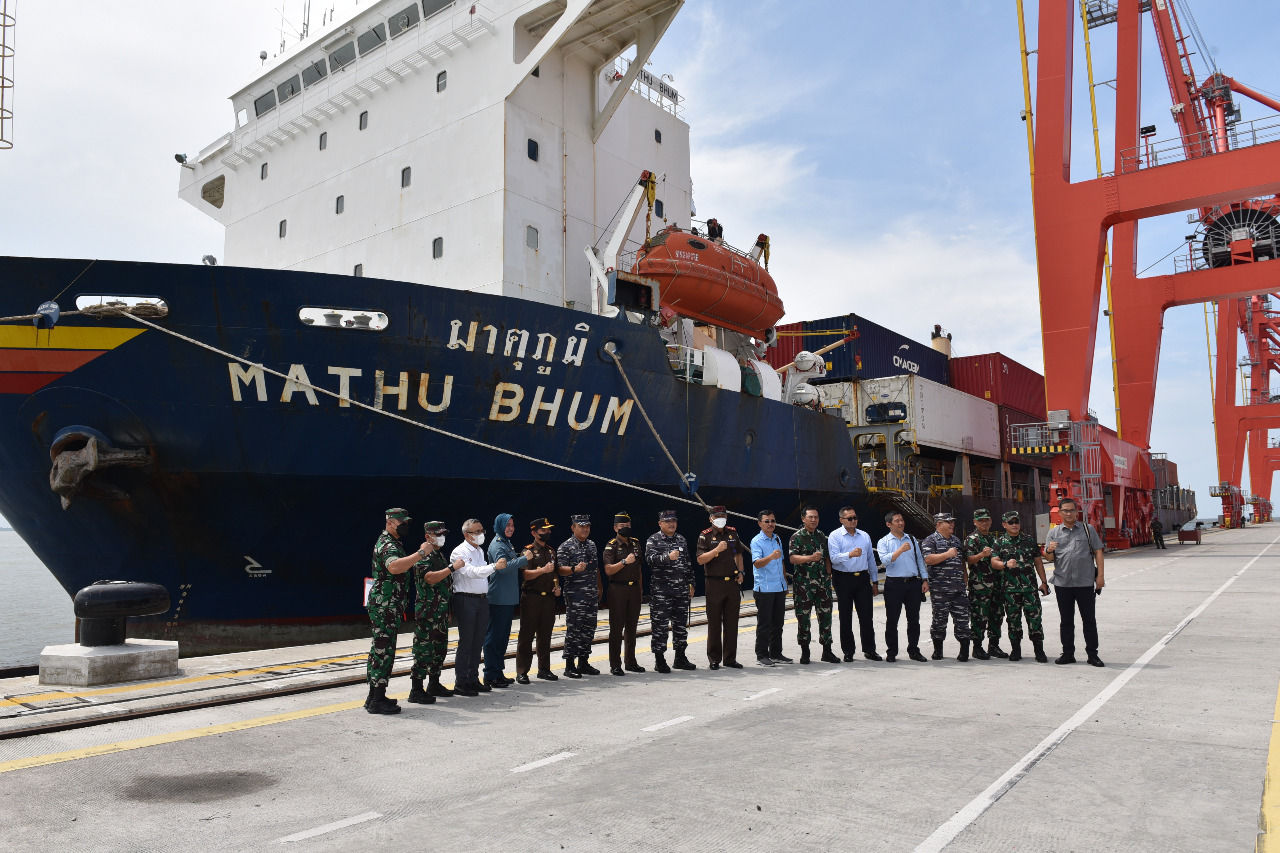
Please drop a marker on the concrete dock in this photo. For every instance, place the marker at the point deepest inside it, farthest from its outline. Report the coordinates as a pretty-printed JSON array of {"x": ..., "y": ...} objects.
[{"x": 1166, "y": 749}]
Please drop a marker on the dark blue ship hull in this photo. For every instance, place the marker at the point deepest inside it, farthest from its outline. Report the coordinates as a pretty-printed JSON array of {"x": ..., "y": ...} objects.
[{"x": 260, "y": 506}]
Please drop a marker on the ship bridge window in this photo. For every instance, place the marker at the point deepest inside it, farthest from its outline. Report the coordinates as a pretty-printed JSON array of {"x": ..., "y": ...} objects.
[
  {"x": 372, "y": 39},
  {"x": 362, "y": 320},
  {"x": 265, "y": 104},
  {"x": 314, "y": 73},
  {"x": 442, "y": 81},
  {"x": 288, "y": 88},
  {"x": 342, "y": 56},
  {"x": 533, "y": 150},
  {"x": 404, "y": 20},
  {"x": 430, "y": 7}
]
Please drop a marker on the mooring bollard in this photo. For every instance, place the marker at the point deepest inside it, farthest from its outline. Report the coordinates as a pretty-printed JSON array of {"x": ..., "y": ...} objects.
[{"x": 103, "y": 655}]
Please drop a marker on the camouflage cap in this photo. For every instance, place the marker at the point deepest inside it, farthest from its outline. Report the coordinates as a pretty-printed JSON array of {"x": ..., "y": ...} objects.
[
  {"x": 435, "y": 527},
  {"x": 667, "y": 515},
  {"x": 399, "y": 513},
  {"x": 980, "y": 514},
  {"x": 1012, "y": 517},
  {"x": 940, "y": 517},
  {"x": 580, "y": 519}
]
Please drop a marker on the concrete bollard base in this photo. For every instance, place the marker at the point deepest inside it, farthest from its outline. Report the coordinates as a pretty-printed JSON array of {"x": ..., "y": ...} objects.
[{"x": 83, "y": 666}]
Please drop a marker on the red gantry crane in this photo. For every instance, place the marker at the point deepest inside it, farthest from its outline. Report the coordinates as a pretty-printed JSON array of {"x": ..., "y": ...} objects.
[{"x": 1216, "y": 166}]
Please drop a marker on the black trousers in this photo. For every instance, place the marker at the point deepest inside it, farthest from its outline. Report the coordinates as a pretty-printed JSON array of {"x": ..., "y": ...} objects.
[
  {"x": 853, "y": 591},
  {"x": 537, "y": 619},
  {"x": 1069, "y": 599},
  {"x": 724, "y": 598},
  {"x": 1159, "y": 537},
  {"x": 771, "y": 609},
  {"x": 902, "y": 594},
  {"x": 624, "y": 613}
]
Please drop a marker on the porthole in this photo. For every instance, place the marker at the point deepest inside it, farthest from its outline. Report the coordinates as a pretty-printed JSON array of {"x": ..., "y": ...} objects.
[
  {"x": 531, "y": 237},
  {"x": 749, "y": 438},
  {"x": 442, "y": 81},
  {"x": 344, "y": 318},
  {"x": 697, "y": 244},
  {"x": 437, "y": 248},
  {"x": 340, "y": 204}
]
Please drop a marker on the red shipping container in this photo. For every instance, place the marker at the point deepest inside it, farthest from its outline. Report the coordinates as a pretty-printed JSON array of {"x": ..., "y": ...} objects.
[
  {"x": 1008, "y": 418},
  {"x": 1003, "y": 381},
  {"x": 1166, "y": 471},
  {"x": 787, "y": 347}
]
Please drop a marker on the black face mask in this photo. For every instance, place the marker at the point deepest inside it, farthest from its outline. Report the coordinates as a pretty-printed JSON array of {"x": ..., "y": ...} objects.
[
  {"x": 624, "y": 532},
  {"x": 402, "y": 529}
]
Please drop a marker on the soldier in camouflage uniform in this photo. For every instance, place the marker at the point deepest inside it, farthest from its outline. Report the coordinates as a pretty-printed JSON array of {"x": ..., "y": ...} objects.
[
  {"x": 811, "y": 587},
  {"x": 1018, "y": 554},
  {"x": 671, "y": 585},
  {"x": 986, "y": 586},
  {"x": 579, "y": 564},
  {"x": 386, "y": 603},
  {"x": 944, "y": 555},
  {"x": 433, "y": 587}
]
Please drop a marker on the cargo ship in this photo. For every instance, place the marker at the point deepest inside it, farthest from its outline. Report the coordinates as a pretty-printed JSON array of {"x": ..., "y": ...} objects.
[{"x": 462, "y": 275}]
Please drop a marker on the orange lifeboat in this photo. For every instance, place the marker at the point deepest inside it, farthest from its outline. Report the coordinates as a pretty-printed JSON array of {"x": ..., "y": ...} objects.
[{"x": 712, "y": 282}]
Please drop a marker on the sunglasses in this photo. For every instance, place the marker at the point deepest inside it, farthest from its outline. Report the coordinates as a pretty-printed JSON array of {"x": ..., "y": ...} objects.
[
  {"x": 850, "y": 518},
  {"x": 769, "y": 521}
]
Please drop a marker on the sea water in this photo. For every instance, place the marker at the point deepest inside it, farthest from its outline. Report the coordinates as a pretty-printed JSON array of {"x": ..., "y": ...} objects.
[{"x": 34, "y": 609}]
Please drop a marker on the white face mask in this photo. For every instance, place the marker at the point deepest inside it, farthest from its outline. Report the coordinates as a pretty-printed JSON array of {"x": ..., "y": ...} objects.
[
  {"x": 439, "y": 541},
  {"x": 477, "y": 539},
  {"x": 719, "y": 522}
]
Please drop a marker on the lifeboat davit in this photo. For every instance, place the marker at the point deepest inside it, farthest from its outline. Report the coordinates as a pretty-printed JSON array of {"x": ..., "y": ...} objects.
[{"x": 709, "y": 281}]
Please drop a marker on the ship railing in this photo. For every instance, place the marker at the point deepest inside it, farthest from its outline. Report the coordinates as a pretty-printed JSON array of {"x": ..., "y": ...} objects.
[
  {"x": 654, "y": 91},
  {"x": 686, "y": 362},
  {"x": 1245, "y": 134}
]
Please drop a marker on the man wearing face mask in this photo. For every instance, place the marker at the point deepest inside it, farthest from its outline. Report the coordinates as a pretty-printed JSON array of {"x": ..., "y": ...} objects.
[
  {"x": 622, "y": 565},
  {"x": 720, "y": 554},
  {"x": 667, "y": 554},
  {"x": 504, "y": 594},
  {"x": 433, "y": 583},
  {"x": 538, "y": 590},
  {"x": 387, "y": 598},
  {"x": 580, "y": 580},
  {"x": 471, "y": 607}
]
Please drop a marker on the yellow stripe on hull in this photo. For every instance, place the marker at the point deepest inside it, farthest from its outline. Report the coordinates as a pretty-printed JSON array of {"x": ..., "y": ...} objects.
[{"x": 65, "y": 337}]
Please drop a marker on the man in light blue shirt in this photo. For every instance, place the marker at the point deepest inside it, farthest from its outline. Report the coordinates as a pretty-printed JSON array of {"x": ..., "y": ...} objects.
[
  {"x": 769, "y": 590},
  {"x": 854, "y": 577},
  {"x": 905, "y": 586}
]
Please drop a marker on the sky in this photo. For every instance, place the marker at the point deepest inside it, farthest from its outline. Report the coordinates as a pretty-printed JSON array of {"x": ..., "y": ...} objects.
[{"x": 879, "y": 144}]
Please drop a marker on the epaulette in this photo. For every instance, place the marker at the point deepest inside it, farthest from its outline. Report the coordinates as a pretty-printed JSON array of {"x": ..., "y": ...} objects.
[{"x": 705, "y": 532}]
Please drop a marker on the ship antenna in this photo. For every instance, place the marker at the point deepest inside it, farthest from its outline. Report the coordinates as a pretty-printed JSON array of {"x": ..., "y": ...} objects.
[{"x": 8, "y": 9}]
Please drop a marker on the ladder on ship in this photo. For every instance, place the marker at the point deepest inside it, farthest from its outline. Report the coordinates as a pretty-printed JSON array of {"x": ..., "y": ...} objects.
[{"x": 900, "y": 486}]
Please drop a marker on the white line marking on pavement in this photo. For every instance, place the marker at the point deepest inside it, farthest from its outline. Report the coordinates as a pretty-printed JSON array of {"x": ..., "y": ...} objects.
[
  {"x": 764, "y": 693},
  {"x": 677, "y": 721},
  {"x": 329, "y": 827},
  {"x": 947, "y": 833},
  {"x": 543, "y": 762}
]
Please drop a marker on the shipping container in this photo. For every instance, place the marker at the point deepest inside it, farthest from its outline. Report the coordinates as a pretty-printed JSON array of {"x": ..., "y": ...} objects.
[
  {"x": 874, "y": 351},
  {"x": 1010, "y": 418},
  {"x": 941, "y": 416},
  {"x": 1003, "y": 381},
  {"x": 1166, "y": 472}
]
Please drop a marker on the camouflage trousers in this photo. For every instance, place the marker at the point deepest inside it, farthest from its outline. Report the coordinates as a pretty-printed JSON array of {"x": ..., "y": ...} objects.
[
  {"x": 1023, "y": 600},
  {"x": 581, "y": 607},
  {"x": 382, "y": 654},
  {"x": 430, "y": 637},
  {"x": 986, "y": 609},
  {"x": 809, "y": 595},
  {"x": 946, "y": 589},
  {"x": 669, "y": 613}
]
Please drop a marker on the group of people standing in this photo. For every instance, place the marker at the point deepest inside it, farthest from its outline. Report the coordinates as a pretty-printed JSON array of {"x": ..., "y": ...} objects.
[{"x": 975, "y": 583}]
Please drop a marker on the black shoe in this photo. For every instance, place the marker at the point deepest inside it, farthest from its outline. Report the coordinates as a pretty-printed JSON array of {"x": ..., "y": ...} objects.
[
  {"x": 481, "y": 686},
  {"x": 871, "y": 656},
  {"x": 978, "y": 651},
  {"x": 506, "y": 681},
  {"x": 585, "y": 667},
  {"x": 465, "y": 690},
  {"x": 937, "y": 650},
  {"x": 781, "y": 659},
  {"x": 804, "y": 654},
  {"x": 764, "y": 661},
  {"x": 892, "y": 658},
  {"x": 661, "y": 665},
  {"x": 419, "y": 696},
  {"x": 1015, "y": 650},
  {"x": 499, "y": 683},
  {"x": 733, "y": 664},
  {"x": 617, "y": 670},
  {"x": 828, "y": 656},
  {"x": 964, "y": 651},
  {"x": 715, "y": 664},
  {"x": 522, "y": 678},
  {"x": 547, "y": 675},
  {"x": 915, "y": 654},
  {"x": 1094, "y": 660},
  {"x": 995, "y": 651},
  {"x": 848, "y": 657},
  {"x": 682, "y": 662},
  {"x": 1066, "y": 658},
  {"x": 379, "y": 703},
  {"x": 633, "y": 667},
  {"x": 571, "y": 669},
  {"x": 435, "y": 688},
  {"x": 1041, "y": 657}
]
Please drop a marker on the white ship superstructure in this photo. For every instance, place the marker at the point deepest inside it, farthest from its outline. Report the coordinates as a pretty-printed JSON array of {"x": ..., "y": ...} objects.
[{"x": 475, "y": 146}]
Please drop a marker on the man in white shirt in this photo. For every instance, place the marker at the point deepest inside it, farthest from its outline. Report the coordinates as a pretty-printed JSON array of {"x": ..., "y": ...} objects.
[
  {"x": 853, "y": 574},
  {"x": 471, "y": 607}
]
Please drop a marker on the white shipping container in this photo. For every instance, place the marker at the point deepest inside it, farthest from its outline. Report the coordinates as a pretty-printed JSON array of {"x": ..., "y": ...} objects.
[
  {"x": 940, "y": 415},
  {"x": 842, "y": 396}
]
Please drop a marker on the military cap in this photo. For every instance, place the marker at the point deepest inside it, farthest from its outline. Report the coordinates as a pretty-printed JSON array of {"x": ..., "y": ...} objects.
[
  {"x": 718, "y": 510},
  {"x": 540, "y": 524},
  {"x": 667, "y": 515},
  {"x": 943, "y": 516},
  {"x": 435, "y": 527},
  {"x": 579, "y": 519},
  {"x": 621, "y": 518},
  {"x": 399, "y": 514},
  {"x": 1012, "y": 516},
  {"x": 979, "y": 514}
]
